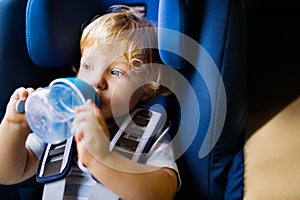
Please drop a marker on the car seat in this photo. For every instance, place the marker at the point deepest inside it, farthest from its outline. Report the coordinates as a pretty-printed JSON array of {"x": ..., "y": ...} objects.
[
  {"x": 16, "y": 70},
  {"x": 204, "y": 41}
]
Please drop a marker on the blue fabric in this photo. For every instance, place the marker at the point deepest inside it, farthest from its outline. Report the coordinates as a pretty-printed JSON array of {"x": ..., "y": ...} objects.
[
  {"x": 16, "y": 67},
  {"x": 16, "y": 70},
  {"x": 221, "y": 33},
  {"x": 53, "y": 28},
  {"x": 235, "y": 183},
  {"x": 171, "y": 17}
]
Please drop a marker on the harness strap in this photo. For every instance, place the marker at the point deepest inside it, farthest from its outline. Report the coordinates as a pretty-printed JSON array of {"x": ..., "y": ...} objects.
[
  {"x": 54, "y": 190},
  {"x": 101, "y": 192},
  {"x": 136, "y": 136}
]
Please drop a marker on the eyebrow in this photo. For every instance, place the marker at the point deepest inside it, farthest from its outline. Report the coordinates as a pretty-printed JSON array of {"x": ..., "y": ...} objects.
[{"x": 123, "y": 62}]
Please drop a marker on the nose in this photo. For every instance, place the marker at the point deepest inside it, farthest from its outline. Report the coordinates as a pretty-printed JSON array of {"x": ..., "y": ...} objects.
[{"x": 100, "y": 83}]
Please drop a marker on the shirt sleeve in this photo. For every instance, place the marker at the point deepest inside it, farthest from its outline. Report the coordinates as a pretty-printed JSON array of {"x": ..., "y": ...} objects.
[
  {"x": 162, "y": 155},
  {"x": 36, "y": 145}
]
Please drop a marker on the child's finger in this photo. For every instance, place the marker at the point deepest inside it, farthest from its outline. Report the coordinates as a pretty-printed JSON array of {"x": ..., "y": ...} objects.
[
  {"x": 22, "y": 93},
  {"x": 83, "y": 107},
  {"x": 30, "y": 91},
  {"x": 18, "y": 93},
  {"x": 83, "y": 116}
]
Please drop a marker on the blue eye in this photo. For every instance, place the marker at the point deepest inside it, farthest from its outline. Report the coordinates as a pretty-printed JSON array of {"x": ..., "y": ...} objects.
[
  {"x": 116, "y": 73},
  {"x": 88, "y": 68}
]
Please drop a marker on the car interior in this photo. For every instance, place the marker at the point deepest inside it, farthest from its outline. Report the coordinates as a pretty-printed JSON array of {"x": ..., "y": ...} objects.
[{"x": 206, "y": 42}]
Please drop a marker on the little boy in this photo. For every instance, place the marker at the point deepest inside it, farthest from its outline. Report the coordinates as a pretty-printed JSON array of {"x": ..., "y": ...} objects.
[{"x": 118, "y": 60}]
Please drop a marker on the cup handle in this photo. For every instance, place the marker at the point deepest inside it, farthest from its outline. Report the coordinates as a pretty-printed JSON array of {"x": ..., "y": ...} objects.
[{"x": 20, "y": 106}]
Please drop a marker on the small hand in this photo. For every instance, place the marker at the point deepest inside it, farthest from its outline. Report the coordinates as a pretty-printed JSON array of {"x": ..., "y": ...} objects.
[
  {"x": 91, "y": 135},
  {"x": 18, "y": 97}
]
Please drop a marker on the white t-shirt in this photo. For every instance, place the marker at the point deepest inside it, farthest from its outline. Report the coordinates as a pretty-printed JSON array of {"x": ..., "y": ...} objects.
[{"x": 80, "y": 184}]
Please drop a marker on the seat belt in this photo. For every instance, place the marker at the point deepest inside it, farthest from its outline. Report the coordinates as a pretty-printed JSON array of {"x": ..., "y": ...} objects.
[
  {"x": 53, "y": 168},
  {"x": 54, "y": 190},
  {"x": 56, "y": 161},
  {"x": 134, "y": 138}
]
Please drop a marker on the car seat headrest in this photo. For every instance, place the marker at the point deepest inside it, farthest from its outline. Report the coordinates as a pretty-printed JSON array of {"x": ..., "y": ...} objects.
[
  {"x": 53, "y": 28},
  {"x": 171, "y": 29}
]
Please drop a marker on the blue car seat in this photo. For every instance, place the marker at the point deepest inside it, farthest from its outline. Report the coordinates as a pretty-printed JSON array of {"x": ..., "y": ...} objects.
[
  {"x": 204, "y": 41},
  {"x": 17, "y": 69}
]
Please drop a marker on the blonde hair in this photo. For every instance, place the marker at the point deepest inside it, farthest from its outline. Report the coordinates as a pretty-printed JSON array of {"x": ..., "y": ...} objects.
[{"x": 139, "y": 45}]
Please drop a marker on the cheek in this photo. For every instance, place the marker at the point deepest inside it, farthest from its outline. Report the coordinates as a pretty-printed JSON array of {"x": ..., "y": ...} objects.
[
  {"x": 123, "y": 101},
  {"x": 119, "y": 103},
  {"x": 82, "y": 76}
]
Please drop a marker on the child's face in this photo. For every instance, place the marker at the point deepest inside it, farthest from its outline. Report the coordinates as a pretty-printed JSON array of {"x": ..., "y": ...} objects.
[{"x": 111, "y": 75}]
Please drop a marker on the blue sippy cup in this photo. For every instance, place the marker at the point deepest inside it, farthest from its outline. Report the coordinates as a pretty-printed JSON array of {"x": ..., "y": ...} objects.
[{"x": 50, "y": 110}]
